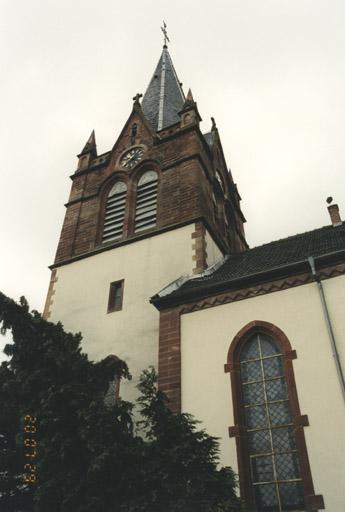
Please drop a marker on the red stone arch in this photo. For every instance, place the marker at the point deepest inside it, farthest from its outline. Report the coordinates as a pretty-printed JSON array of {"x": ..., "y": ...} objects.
[{"x": 232, "y": 366}]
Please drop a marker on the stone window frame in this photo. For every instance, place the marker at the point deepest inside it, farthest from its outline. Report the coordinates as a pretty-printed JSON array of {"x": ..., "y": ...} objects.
[
  {"x": 120, "y": 284},
  {"x": 313, "y": 502}
]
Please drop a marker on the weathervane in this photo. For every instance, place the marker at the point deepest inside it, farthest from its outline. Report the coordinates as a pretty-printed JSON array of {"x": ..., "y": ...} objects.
[{"x": 164, "y": 30}]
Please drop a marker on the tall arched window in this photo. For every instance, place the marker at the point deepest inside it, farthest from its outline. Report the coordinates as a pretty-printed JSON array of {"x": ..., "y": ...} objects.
[
  {"x": 115, "y": 212},
  {"x": 272, "y": 455},
  {"x": 269, "y": 427},
  {"x": 146, "y": 205}
]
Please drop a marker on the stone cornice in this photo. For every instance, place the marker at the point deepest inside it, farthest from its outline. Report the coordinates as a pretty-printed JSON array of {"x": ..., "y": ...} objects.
[{"x": 261, "y": 289}]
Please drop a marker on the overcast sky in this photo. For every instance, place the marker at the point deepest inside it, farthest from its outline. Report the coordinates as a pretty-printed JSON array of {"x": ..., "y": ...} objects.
[{"x": 271, "y": 72}]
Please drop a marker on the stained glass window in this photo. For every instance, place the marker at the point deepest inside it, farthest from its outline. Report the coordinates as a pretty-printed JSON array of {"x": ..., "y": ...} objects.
[{"x": 274, "y": 465}]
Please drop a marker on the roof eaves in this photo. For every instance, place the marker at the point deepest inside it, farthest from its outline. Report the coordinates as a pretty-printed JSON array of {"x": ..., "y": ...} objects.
[{"x": 297, "y": 267}]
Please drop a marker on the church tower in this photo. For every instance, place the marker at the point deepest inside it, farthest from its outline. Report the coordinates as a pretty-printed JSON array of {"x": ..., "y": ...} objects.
[{"x": 160, "y": 204}]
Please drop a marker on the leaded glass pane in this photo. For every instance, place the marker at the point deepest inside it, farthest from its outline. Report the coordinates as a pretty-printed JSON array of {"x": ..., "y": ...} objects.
[
  {"x": 256, "y": 417},
  {"x": 276, "y": 390},
  {"x": 253, "y": 393},
  {"x": 286, "y": 466},
  {"x": 291, "y": 495},
  {"x": 279, "y": 413},
  {"x": 259, "y": 441},
  {"x": 268, "y": 347},
  {"x": 273, "y": 367},
  {"x": 262, "y": 469},
  {"x": 283, "y": 439},
  {"x": 251, "y": 349},
  {"x": 271, "y": 440},
  {"x": 251, "y": 371},
  {"x": 266, "y": 498}
]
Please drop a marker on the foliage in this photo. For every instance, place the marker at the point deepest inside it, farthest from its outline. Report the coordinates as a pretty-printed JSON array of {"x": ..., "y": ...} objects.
[{"x": 90, "y": 457}]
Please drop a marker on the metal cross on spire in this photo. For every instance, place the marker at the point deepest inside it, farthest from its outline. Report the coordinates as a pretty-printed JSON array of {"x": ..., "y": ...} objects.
[{"x": 164, "y": 30}]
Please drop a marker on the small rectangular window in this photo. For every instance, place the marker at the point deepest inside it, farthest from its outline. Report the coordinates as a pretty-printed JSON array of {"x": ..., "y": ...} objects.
[{"x": 115, "y": 296}]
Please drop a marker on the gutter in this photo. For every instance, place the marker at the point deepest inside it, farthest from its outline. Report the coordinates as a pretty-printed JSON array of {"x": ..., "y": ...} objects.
[{"x": 330, "y": 331}]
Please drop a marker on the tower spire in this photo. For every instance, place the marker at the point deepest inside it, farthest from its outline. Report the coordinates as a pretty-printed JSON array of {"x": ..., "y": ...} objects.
[
  {"x": 90, "y": 146},
  {"x": 164, "y": 97}
]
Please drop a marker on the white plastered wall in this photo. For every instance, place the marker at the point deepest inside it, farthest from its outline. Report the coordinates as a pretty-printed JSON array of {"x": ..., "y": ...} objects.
[
  {"x": 205, "y": 339},
  {"x": 81, "y": 298},
  {"x": 214, "y": 254}
]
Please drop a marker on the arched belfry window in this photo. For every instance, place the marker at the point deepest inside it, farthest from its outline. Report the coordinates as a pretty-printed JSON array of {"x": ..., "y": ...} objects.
[
  {"x": 146, "y": 204},
  {"x": 269, "y": 426},
  {"x": 272, "y": 455},
  {"x": 114, "y": 212}
]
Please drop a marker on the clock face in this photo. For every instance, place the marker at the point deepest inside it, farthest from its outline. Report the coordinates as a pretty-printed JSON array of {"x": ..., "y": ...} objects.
[{"x": 132, "y": 157}]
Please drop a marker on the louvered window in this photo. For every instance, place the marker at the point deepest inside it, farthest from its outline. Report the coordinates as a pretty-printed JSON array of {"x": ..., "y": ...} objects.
[
  {"x": 146, "y": 207},
  {"x": 115, "y": 212},
  {"x": 269, "y": 427}
]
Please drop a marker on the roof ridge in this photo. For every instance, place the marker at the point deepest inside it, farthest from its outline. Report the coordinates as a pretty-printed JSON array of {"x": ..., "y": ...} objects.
[{"x": 329, "y": 226}]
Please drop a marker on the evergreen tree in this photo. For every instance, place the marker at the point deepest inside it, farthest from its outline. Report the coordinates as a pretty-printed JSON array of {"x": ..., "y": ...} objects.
[
  {"x": 53, "y": 381},
  {"x": 89, "y": 456},
  {"x": 180, "y": 472}
]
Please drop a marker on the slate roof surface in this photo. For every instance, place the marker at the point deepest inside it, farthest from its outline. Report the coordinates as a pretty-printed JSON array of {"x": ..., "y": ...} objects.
[
  {"x": 164, "y": 97},
  {"x": 209, "y": 139},
  {"x": 272, "y": 256}
]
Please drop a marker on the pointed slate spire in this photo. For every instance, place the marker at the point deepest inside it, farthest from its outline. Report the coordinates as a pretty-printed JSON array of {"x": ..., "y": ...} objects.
[
  {"x": 189, "y": 113},
  {"x": 189, "y": 98},
  {"x": 164, "y": 97},
  {"x": 90, "y": 146}
]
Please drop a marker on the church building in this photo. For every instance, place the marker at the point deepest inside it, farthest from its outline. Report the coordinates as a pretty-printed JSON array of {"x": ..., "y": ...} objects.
[{"x": 153, "y": 266}]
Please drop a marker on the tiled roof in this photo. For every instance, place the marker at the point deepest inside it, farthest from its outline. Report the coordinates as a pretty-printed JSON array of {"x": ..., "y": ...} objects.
[
  {"x": 164, "y": 97},
  {"x": 272, "y": 257}
]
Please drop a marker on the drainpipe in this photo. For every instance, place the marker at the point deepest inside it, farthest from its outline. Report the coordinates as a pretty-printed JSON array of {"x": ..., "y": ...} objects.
[{"x": 329, "y": 327}]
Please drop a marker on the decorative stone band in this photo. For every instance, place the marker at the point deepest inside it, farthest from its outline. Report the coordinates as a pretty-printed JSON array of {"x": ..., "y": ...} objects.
[{"x": 261, "y": 289}]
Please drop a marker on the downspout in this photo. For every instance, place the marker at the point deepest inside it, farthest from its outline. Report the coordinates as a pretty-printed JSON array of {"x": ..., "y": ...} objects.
[{"x": 329, "y": 327}]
